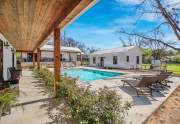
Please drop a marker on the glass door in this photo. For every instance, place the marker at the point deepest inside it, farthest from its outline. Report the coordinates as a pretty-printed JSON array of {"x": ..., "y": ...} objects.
[{"x": 102, "y": 61}]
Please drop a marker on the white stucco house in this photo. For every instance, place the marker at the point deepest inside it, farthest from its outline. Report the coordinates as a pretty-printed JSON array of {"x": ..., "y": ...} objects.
[
  {"x": 121, "y": 57},
  {"x": 68, "y": 54},
  {"x": 7, "y": 57}
]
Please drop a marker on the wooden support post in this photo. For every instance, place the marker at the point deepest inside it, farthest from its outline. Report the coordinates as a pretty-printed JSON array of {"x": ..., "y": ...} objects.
[
  {"x": 33, "y": 59},
  {"x": 21, "y": 57},
  {"x": 40, "y": 55},
  {"x": 38, "y": 58},
  {"x": 57, "y": 59},
  {"x": 81, "y": 58}
]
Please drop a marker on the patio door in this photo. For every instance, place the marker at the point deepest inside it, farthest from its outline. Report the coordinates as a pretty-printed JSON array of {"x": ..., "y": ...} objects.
[
  {"x": 102, "y": 61},
  {"x": 1, "y": 61}
]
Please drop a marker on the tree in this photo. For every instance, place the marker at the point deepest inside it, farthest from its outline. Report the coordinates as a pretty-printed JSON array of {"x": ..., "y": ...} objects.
[
  {"x": 71, "y": 42},
  {"x": 92, "y": 49},
  {"x": 169, "y": 11},
  {"x": 169, "y": 16}
]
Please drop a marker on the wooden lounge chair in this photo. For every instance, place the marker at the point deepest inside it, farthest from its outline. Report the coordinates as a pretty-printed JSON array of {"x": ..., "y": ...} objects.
[
  {"x": 162, "y": 79},
  {"x": 141, "y": 85}
]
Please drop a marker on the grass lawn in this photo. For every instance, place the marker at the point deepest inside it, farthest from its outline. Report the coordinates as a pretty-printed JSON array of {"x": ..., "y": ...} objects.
[{"x": 175, "y": 68}]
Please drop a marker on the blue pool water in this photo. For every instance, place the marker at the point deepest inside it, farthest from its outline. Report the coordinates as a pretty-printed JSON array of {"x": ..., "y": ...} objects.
[{"x": 89, "y": 75}]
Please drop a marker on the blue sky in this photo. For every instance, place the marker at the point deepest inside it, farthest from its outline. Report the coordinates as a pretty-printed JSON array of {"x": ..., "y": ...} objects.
[{"x": 99, "y": 25}]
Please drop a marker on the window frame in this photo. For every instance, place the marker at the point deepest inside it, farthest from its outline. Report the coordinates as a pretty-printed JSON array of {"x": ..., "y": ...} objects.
[
  {"x": 137, "y": 60},
  {"x": 78, "y": 57},
  {"x": 127, "y": 59},
  {"x": 94, "y": 60},
  {"x": 115, "y": 60}
]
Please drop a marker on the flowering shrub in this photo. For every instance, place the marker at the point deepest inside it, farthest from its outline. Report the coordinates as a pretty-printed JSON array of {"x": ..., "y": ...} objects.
[{"x": 84, "y": 106}]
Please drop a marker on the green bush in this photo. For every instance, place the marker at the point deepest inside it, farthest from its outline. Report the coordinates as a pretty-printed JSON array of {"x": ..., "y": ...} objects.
[
  {"x": 88, "y": 107},
  {"x": 84, "y": 106},
  {"x": 7, "y": 97},
  {"x": 46, "y": 76}
]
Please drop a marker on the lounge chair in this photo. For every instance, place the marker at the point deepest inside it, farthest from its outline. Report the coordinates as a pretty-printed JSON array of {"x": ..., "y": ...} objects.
[
  {"x": 141, "y": 85},
  {"x": 162, "y": 79}
]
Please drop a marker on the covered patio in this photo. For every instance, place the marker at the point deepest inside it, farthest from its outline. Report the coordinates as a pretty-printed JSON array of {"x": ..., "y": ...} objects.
[{"x": 28, "y": 24}]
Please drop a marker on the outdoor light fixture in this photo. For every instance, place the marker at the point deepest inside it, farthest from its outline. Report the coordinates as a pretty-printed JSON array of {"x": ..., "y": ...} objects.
[
  {"x": 6, "y": 44},
  {"x": 12, "y": 50}
]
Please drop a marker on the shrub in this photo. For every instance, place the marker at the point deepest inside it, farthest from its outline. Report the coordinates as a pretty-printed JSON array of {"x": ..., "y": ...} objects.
[
  {"x": 7, "y": 97},
  {"x": 46, "y": 76},
  {"x": 88, "y": 107},
  {"x": 84, "y": 106}
]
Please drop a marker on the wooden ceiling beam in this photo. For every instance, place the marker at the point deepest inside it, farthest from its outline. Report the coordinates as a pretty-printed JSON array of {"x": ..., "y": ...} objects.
[
  {"x": 62, "y": 15},
  {"x": 25, "y": 51},
  {"x": 27, "y": 23}
]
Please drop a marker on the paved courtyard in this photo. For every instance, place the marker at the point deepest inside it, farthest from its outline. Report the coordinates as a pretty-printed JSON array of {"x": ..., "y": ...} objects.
[{"x": 38, "y": 112}]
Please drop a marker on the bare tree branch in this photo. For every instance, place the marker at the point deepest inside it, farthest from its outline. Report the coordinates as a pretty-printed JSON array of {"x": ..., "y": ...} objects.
[
  {"x": 169, "y": 19},
  {"x": 150, "y": 39}
]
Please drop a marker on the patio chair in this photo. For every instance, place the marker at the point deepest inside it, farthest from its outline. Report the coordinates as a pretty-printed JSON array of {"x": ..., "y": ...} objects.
[
  {"x": 141, "y": 85},
  {"x": 14, "y": 75}
]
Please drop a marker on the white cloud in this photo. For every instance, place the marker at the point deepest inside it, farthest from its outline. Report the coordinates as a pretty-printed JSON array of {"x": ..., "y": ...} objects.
[
  {"x": 124, "y": 21},
  {"x": 129, "y": 1},
  {"x": 170, "y": 37},
  {"x": 104, "y": 31},
  {"x": 150, "y": 17}
]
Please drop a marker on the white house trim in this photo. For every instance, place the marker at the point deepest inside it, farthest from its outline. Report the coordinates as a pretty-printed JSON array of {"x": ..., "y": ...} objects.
[{"x": 7, "y": 57}]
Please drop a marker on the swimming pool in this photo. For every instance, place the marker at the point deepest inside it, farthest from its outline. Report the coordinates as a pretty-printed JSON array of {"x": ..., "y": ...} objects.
[{"x": 89, "y": 75}]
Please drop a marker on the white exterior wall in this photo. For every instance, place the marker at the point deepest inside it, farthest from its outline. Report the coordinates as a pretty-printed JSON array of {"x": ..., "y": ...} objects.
[
  {"x": 65, "y": 55},
  {"x": 7, "y": 58},
  {"x": 46, "y": 54},
  {"x": 121, "y": 62},
  {"x": 24, "y": 55}
]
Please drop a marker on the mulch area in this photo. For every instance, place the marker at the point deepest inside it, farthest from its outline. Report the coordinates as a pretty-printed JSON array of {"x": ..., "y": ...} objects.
[{"x": 169, "y": 111}]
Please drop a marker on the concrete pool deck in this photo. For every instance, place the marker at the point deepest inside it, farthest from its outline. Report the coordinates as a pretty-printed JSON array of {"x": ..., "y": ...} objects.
[
  {"x": 38, "y": 112},
  {"x": 142, "y": 106}
]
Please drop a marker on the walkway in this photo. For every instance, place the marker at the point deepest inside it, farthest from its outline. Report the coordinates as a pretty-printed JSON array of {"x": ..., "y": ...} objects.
[{"x": 34, "y": 113}]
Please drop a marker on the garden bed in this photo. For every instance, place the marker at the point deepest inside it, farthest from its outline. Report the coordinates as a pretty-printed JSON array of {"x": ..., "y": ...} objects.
[{"x": 168, "y": 112}]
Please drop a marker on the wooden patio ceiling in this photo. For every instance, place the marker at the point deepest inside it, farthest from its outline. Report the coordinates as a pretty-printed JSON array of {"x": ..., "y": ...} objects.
[{"x": 27, "y": 23}]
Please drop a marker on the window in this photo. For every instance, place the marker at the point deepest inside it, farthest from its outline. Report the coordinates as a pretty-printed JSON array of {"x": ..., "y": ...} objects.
[
  {"x": 114, "y": 59},
  {"x": 94, "y": 60},
  {"x": 127, "y": 58},
  {"x": 137, "y": 59},
  {"x": 61, "y": 57},
  {"x": 78, "y": 57}
]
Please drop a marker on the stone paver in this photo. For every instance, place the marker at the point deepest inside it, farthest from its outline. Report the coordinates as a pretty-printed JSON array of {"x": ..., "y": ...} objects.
[
  {"x": 30, "y": 88},
  {"x": 34, "y": 113}
]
